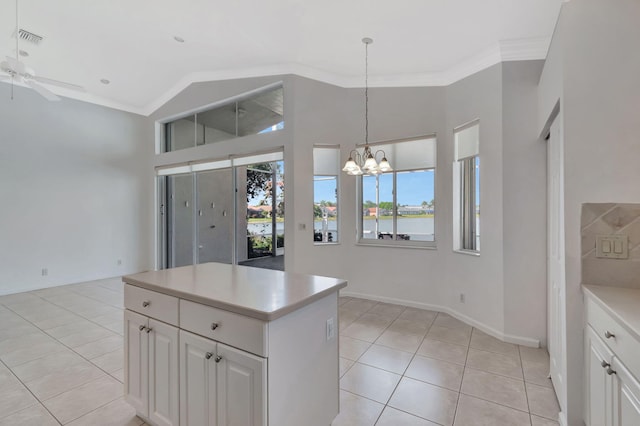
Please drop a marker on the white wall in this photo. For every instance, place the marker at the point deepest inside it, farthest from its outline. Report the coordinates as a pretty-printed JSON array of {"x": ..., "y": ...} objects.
[
  {"x": 318, "y": 113},
  {"x": 75, "y": 189},
  {"x": 600, "y": 98},
  {"x": 524, "y": 194}
]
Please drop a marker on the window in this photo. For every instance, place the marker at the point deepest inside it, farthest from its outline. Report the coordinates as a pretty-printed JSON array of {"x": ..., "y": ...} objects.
[
  {"x": 398, "y": 207},
  {"x": 250, "y": 114},
  {"x": 466, "y": 186},
  {"x": 326, "y": 169}
]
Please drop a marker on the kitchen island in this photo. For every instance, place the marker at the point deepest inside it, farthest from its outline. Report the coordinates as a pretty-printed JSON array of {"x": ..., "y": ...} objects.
[{"x": 217, "y": 344}]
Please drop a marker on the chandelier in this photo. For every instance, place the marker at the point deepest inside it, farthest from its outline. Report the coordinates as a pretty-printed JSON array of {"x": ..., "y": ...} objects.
[{"x": 365, "y": 163}]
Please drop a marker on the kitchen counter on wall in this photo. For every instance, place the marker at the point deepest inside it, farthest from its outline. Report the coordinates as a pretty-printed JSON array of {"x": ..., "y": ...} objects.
[
  {"x": 259, "y": 293},
  {"x": 623, "y": 304}
]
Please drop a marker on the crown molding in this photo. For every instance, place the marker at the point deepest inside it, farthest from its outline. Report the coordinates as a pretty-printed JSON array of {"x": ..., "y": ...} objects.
[{"x": 503, "y": 51}]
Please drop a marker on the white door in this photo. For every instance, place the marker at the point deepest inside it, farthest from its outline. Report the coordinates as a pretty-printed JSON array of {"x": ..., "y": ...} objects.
[
  {"x": 197, "y": 380},
  {"x": 626, "y": 405},
  {"x": 598, "y": 383},
  {"x": 136, "y": 367},
  {"x": 163, "y": 373},
  {"x": 241, "y": 388},
  {"x": 556, "y": 318}
]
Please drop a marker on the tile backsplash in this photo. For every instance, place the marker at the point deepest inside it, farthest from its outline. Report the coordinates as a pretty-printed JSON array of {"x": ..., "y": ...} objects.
[{"x": 605, "y": 219}]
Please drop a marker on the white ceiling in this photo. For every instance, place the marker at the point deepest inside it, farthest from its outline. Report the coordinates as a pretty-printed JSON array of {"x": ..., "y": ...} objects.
[{"x": 131, "y": 42}]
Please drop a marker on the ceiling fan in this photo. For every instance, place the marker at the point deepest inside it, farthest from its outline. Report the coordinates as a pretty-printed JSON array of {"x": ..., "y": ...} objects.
[{"x": 19, "y": 73}]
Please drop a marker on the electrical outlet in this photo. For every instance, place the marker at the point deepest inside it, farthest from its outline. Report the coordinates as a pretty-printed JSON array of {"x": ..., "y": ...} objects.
[
  {"x": 331, "y": 329},
  {"x": 45, "y": 272},
  {"x": 461, "y": 297}
]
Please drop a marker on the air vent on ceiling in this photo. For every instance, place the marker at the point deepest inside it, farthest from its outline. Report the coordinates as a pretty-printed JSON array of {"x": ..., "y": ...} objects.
[{"x": 29, "y": 36}]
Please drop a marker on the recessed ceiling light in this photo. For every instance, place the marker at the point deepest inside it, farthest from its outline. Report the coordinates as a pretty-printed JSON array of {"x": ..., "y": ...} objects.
[
  {"x": 23, "y": 53},
  {"x": 178, "y": 39},
  {"x": 104, "y": 81}
]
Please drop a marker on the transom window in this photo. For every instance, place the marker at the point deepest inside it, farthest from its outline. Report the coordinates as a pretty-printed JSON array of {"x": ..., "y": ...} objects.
[{"x": 244, "y": 115}]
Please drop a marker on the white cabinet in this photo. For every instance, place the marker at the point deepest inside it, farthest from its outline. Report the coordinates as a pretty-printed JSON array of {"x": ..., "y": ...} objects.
[
  {"x": 626, "y": 396},
  {"x": 220, "y": 385},
  {"x": 151, "y": 368},
  {"x": 241, "y": 391},
  {"x": 598, "y": 383},
  {"x": 193, "y": 364},
  {"x": 612, "y": 390}
]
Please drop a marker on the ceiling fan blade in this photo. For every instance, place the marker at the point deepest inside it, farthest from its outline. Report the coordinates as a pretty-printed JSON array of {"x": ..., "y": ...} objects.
[
  {"x": 44, "y": 92},
  {"x": 13, "y": 62},
  {"x": 62, "y": 84}
]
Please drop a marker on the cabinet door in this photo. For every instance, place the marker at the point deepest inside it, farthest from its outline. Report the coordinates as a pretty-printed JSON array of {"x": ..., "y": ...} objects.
[
  {"x": 242, "y": 380},
  {"x": 197, "y": 380},
  {"x": 598, "y": 382},
  {"x": 626, "y": 397},
  {"x": 136, "y": 367},
  {"x": 163, "y": 373}
]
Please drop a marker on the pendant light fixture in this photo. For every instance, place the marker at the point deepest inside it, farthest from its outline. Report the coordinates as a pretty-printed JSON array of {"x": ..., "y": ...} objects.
[{"x": 365, "y": 163}]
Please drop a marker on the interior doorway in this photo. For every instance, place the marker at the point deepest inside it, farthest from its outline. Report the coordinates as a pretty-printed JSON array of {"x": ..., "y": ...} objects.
[{"x": 556, "y": 285}]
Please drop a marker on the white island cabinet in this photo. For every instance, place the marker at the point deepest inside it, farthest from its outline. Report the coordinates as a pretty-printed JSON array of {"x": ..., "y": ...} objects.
[
  {"x": 224, "y": 345},
  {"x": 612, "y": 359}
]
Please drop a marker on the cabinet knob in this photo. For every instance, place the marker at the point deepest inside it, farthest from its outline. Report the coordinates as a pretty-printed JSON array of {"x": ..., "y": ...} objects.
[
  {"x": 214, "y": 325},
  {"x": 142, "y": 327},
  {"x": 145, "y": 303},
  {"x": 610, "y": 371},
  {"x": 149, "y": 330},
  {"x": 218, "y": 358},
  {"x": 608, "y": 334},
  {"x": 605, "y": 364},
  {"x": 208, "y": 355}
]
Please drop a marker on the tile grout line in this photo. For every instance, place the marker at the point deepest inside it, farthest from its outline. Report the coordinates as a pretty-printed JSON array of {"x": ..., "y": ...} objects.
[
  {"x": 526, "y": 394},
  {"x": 41, "y": 402},
  {"x": 29, "y": 390}
]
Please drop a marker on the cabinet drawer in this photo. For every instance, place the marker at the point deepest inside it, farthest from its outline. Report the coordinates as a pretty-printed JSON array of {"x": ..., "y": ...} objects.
[
  {"x": 623, "y": 345},
  {"x": 235, "y": 330},
  {"x": 152, "y": 304}
]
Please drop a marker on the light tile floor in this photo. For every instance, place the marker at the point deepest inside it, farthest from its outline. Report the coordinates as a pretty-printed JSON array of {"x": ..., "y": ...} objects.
[
  {"x": 406, "y": 366},
  {"x": 61, "y": 359}
]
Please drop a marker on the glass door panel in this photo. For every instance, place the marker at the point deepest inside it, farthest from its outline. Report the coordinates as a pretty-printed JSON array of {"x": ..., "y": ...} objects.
[
  {"x": 214, "y": 216},
  {"x": 180, "y": 239}
]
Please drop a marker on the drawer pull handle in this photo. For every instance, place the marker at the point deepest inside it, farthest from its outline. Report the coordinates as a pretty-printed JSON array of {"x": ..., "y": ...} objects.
[
  {"x": 145, "y": 304},
  {"x": 214, "y": 325},
  {"x": 609, "y": 335},
  {"x": 142, "y": 327},
  {"x": 610, "y": 371},
  {"x": 149, "y": 330},
  {"x": 605, "y": 364},
  {"x": 208, "y": 355},
  {"x": 218, "y": 358}
]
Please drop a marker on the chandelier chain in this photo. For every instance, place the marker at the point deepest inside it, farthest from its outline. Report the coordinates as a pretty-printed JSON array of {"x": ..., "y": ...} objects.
[{"x": 366, "y": 94}]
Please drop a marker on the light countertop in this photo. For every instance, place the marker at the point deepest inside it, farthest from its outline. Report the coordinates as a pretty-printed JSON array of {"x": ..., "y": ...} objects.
[
  {"x": 621, "y": 303},
  {"x": 259, "y": 293}
]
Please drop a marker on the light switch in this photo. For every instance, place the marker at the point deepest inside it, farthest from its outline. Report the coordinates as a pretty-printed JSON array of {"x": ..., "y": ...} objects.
[
  {"x": 612, "y": 246},
  {"x": 617, "y": 247}
]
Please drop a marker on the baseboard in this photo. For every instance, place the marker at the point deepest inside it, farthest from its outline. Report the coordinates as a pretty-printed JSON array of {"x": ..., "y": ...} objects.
[
  {"x": 8, "y": 291},
  {"x": 562, "y": 418},
  {"x": 518, "y": 340}
]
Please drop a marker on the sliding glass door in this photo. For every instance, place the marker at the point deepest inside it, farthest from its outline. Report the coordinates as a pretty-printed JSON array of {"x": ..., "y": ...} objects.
[
  {"x": 214, "y": 216},
  {"x": 228, "y": 211}
]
